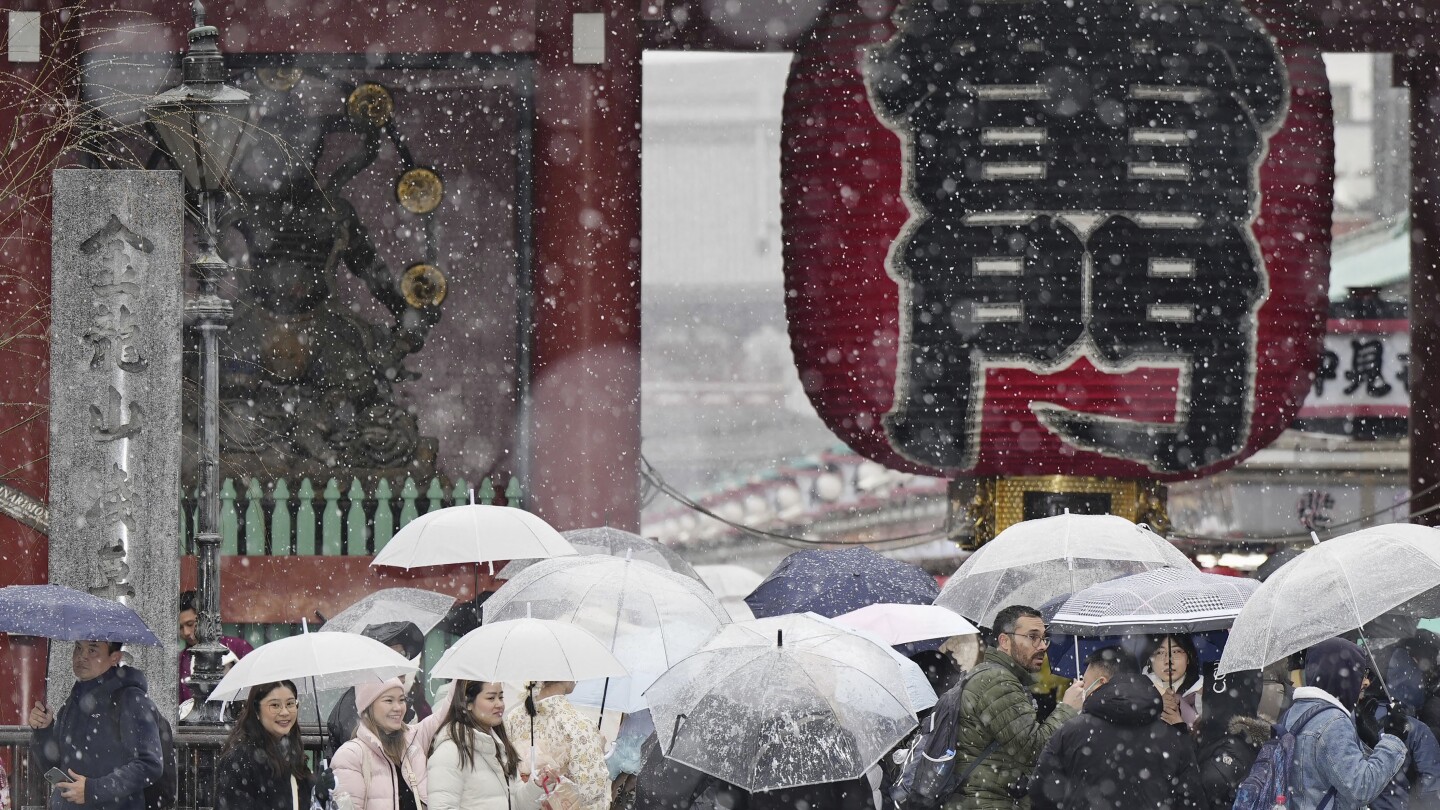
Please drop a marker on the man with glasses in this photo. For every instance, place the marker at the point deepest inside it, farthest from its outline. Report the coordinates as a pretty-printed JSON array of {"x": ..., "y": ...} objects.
[{"x": 998, "y": 724}]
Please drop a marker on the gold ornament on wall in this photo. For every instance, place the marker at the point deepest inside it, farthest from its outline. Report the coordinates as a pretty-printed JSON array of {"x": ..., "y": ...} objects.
[
  {"x": 419, "y": 190},
  {"x": 998, "y": 503},
  {"x": 423, "y": 285},
  {"x": 280, "y": 79},
  {"x": 370, "y": 104}
]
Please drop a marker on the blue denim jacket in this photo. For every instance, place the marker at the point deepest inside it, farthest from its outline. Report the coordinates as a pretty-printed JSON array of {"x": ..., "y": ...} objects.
[{"x": 1328, "y": 753}]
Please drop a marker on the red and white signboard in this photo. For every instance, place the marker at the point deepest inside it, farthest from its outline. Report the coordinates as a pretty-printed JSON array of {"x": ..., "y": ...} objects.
[{"x": 1363, "y": 371}]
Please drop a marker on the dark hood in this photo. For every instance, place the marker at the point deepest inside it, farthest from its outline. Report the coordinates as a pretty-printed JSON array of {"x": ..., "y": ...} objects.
[
  {"x": 1338, "y": 667},
  {"x": 1128, "y": 699},
  {"x": 1405, "y": 681}
]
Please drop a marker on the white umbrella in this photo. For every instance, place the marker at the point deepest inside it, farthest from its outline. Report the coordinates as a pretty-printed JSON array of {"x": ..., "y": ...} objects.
[
  {"x": 731, "y": 584},
  {"x": 1336, "y": 587},
  {"x": 473, "y": 533},
  {"x": 902, "y": 624},
  {"x": 648, "y": 617},
  {"x": 1166, "y": 600},
  {"x": 527, "y": 650},
  {"x": 314, "y": 662},
  {"x": 1035, "y": 561},
  {"x": 781, "y": 702}
]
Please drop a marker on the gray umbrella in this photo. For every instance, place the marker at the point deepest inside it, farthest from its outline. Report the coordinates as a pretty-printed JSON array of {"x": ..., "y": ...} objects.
[{"x": 614, "y": 543}]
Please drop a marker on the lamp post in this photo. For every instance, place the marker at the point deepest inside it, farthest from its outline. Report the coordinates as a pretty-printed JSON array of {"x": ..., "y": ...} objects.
[{"x": 202, "y": 123}]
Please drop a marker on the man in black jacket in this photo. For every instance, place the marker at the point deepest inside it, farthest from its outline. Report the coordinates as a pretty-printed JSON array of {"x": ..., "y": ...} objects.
[
  {"x": 104, "y": 738},
  {"x": 1117, "y": 753}
]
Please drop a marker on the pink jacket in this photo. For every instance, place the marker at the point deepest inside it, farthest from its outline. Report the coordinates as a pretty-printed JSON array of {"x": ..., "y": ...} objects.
[{"x": 363, "y": 757}]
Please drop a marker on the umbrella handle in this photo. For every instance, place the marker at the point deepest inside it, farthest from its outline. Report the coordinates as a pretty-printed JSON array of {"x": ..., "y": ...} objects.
[
  {"x": 603, "y": 694},
  {"x": 320, "y": 724},
  {"x": 675, "y": 733},
  {"x": 1375, "y": 667}
]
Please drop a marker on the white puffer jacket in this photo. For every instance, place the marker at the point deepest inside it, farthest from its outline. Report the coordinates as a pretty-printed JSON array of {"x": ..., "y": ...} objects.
[{"x": 482, "y": 786}]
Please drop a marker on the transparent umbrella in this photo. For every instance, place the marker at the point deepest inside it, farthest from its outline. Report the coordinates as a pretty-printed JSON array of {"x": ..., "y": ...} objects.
[
  {"x": 917, "y": 687},
  {"x": 1165, "y": 600},
  {"x": 781, "y": 702},
  {"x": 731, "y": 584},
  {"x": 422, "y": 608},
  {"x": 648, "y": 617},
  {"x": 1336, "y": 587},
  {"x": 1035, "y": 561},
  {"x": 613, "y": 543}
]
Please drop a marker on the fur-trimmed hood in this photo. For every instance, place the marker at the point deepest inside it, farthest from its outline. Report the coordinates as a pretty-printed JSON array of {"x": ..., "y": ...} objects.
[{"x": 1252, "y": 730}]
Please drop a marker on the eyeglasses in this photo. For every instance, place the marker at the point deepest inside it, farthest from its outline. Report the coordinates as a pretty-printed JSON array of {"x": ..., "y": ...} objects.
[
  {"x": 1034, "y": 638},
  {"x": 275, "y": 705}
]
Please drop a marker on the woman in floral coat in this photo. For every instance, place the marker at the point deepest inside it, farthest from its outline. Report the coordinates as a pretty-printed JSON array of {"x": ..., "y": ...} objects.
[{"x": 554, "y": 733}]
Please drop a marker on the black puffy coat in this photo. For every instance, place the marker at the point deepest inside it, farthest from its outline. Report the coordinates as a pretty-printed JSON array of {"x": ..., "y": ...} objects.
[
  {"x": 1119, "y": 754},
  {"x": 1226, "y": 761},
  {"x": 245, "y": 780}
]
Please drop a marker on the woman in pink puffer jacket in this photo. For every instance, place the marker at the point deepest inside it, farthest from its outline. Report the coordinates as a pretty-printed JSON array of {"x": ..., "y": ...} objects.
[{"x": 383, "y": 767}]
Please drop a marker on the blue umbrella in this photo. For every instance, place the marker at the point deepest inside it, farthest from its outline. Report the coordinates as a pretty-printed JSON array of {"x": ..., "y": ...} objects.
[
  {"x": 65, "y": 614},
  {"x": 1065, "y": 663},
  {"x": 835, "y": 581}
]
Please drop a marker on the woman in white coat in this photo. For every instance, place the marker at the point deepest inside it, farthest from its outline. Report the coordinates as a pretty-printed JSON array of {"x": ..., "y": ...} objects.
[
  {"x": 474, "y": 766},
  {"x": 383, "y": 767}
]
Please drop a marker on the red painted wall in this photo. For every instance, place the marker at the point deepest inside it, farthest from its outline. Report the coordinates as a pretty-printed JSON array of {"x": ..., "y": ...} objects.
[{"x": 586, "y": 372}]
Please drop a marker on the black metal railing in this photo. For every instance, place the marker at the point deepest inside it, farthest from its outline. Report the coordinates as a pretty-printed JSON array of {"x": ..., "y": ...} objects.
[{"x": 196, "y": 752}]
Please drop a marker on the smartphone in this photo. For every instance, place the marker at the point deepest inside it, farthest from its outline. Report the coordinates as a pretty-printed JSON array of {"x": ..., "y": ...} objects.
[{"x": 55, "y": 776}]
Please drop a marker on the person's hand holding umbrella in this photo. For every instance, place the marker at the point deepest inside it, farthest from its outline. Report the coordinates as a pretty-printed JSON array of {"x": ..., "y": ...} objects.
[
  {"x": 40, "y": 717},
  {"x": 1170, "y": 707}
]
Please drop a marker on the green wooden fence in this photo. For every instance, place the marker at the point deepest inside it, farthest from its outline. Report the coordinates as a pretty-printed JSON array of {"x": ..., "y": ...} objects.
[{"x": 336, "y": 519}]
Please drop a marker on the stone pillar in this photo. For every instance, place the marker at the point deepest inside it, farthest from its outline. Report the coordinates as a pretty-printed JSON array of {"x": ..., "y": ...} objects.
[
  {"x": 585, "y": 371},
  {"x": 116, "y": 317},
  {"x": 1422, "y": 73}
]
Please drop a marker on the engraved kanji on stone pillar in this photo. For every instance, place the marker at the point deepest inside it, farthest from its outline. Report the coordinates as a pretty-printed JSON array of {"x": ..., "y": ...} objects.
[{"x": 116, "y": 309}]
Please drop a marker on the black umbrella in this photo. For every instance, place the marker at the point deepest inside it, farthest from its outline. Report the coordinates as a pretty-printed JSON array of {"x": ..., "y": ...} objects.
[{"x": 1276, "y": 560}]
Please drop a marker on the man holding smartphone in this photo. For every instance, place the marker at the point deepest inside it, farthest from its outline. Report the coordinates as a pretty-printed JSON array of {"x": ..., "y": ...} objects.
[{"x": 102, "y": 749}]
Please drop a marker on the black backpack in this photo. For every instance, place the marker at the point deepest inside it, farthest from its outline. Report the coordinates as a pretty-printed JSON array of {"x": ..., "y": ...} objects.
[
  {"x": 160, "y": 795},
  {"x": 928, "y": 776}
]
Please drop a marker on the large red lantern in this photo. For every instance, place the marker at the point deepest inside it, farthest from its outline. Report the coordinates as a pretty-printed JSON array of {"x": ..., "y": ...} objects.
[{"x": 1034, "y": 238}]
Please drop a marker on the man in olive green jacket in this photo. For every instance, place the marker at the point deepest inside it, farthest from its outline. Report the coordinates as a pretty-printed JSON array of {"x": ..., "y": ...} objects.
[{"x": 997, "y": 707}]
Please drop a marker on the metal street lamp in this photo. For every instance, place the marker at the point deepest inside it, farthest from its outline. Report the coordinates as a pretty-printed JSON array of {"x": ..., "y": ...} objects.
[{"x": 202, "y": 124}]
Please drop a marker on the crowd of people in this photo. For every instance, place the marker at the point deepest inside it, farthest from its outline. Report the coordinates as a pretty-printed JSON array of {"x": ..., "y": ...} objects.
[{"x": 1146, "y": 725}]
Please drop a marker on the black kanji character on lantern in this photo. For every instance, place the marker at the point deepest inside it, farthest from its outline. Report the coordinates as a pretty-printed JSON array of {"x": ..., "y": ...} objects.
[
  {"x": 1367, "y": 368},
  {"x": 1081, "y": 178},
  {"x": 1329, "y": 369},
  {"x": 1403, "y": 375}
]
